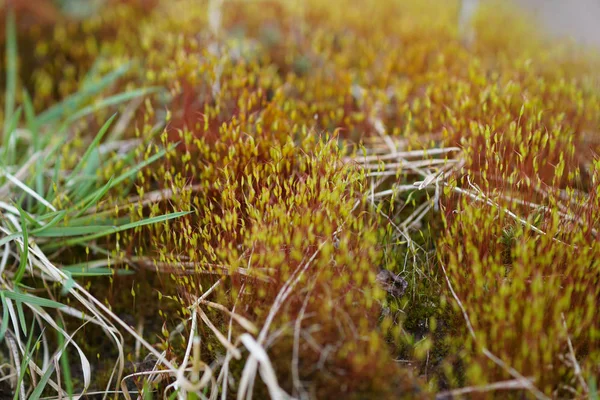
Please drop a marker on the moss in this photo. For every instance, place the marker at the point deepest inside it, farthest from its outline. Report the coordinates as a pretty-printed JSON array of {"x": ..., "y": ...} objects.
[{"x": 264, "y": 102}]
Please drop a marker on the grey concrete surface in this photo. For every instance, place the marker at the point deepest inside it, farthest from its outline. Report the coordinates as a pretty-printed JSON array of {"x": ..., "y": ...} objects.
[{"x": 578, "y": 19}]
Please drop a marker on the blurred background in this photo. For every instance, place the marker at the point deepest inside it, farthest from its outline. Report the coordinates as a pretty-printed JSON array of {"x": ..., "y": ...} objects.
[{"x": 579, "y": 19}]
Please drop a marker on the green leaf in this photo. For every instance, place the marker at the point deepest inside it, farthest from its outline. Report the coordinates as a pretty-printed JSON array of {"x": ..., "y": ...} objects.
[
  {"x": 31, "y": 299},
  {"x": 105, "y": 217},
  {"x": 132, "y": 225},
  {"x": 69, "y": 231},
  {"x": 71, "y": 103},
  {"x": 32, "y": 125},
  {"x": 111, "y": 101},
  {"x": 5, "y": 317},
  {"x": 29, "y": 191},
  {"x": 93, "y": 146},
  {"x": 8, "y": 142},
  {"x": 88, "y": 79},
  {"x": 64, "y": 362},
  {"x": 30, "y": 219},
  {"x": 11, "y": 71},
  {"x": 132, "y": 172},
  {"x": 10, "y": 238},
  {"x": 59, "y": 215},
  {"x": 142, "y": 165},
  {"x": 95, "y": 197},
  {"x": 100, "y": 271},
  {"x": 153, "y": 220},
  {"x": 68, "y": 284},
  {"x": 593, "y": 386},
  {"x": 88, "y": 178},
  {"x": 29, "y": 349},
  {"x": 41, "y": 384},
  {"x": 21, "y": 315},
  {"x": 51, "y": 195},
  {"x": 24, "y": 253},
  {"x": 147, "y": 391}
]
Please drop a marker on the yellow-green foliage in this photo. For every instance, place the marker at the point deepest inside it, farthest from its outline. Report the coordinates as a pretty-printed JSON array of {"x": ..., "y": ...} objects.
[
  {"x": 266, "y": 213},
  {"x": 260, "y": 95},
  {"x": 517, "y": 286}
]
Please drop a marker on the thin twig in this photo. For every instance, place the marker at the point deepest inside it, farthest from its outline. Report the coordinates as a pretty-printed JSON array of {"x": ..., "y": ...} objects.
[
  {"x": 513, "y": 384},
  {"x": 576, "y": 365}
]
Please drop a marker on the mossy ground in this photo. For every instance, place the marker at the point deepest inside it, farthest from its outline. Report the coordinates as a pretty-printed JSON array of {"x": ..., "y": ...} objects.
[{"x": 270, "y": 111}]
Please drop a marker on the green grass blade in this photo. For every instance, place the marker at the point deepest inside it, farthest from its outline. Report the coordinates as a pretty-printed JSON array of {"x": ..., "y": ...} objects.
[
  {"x": 24, "y": 253},
  {"x": 57, "y": 218},
  {"x": 50, "y": 215},
  {"x": 88, "y": 178},
  {"x": 69, "y": 231},
  {"x": 147, "y": 391},
  {"x": 105, "y": 217},
  {"x": 8, "y": 143},
  {"x": 30, "y": 218},
  {"x": 32, "y": 300},
  {"x": 10, "y": 238},
  {"x": 32, "y": 124},
  {"x": 64, "y": 362},
  {"x": 29, "y": 190},
  {"x": 132, "y": 225},
  {"x": 68, "y": 284},
  {"x": 4, "y": 325},
  {"x": 593, "y": 386},
  {"x": 41, "y": 384},
  {"x": 132, "y": 172},
  {"x": 88, "y": 79},
  {"x": 93, "y": 146},
  {"x": 71, "y": 103},
  {"x": 38, "y": 144},
  {"x": 21, "y": 315},
  {"x": 11, "y": 70},
  {"x": 29, "y": 349},
  {"x": 143, "y": 164},
  {"x": 52, "y": 188},
  {"x": 99, "y": 271},
  {"x": 111, "y": 101},
  {"x": 89, "y": 268},
  {"x": 95, "y": 198},
  {"x": 153, "y": 220}
]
